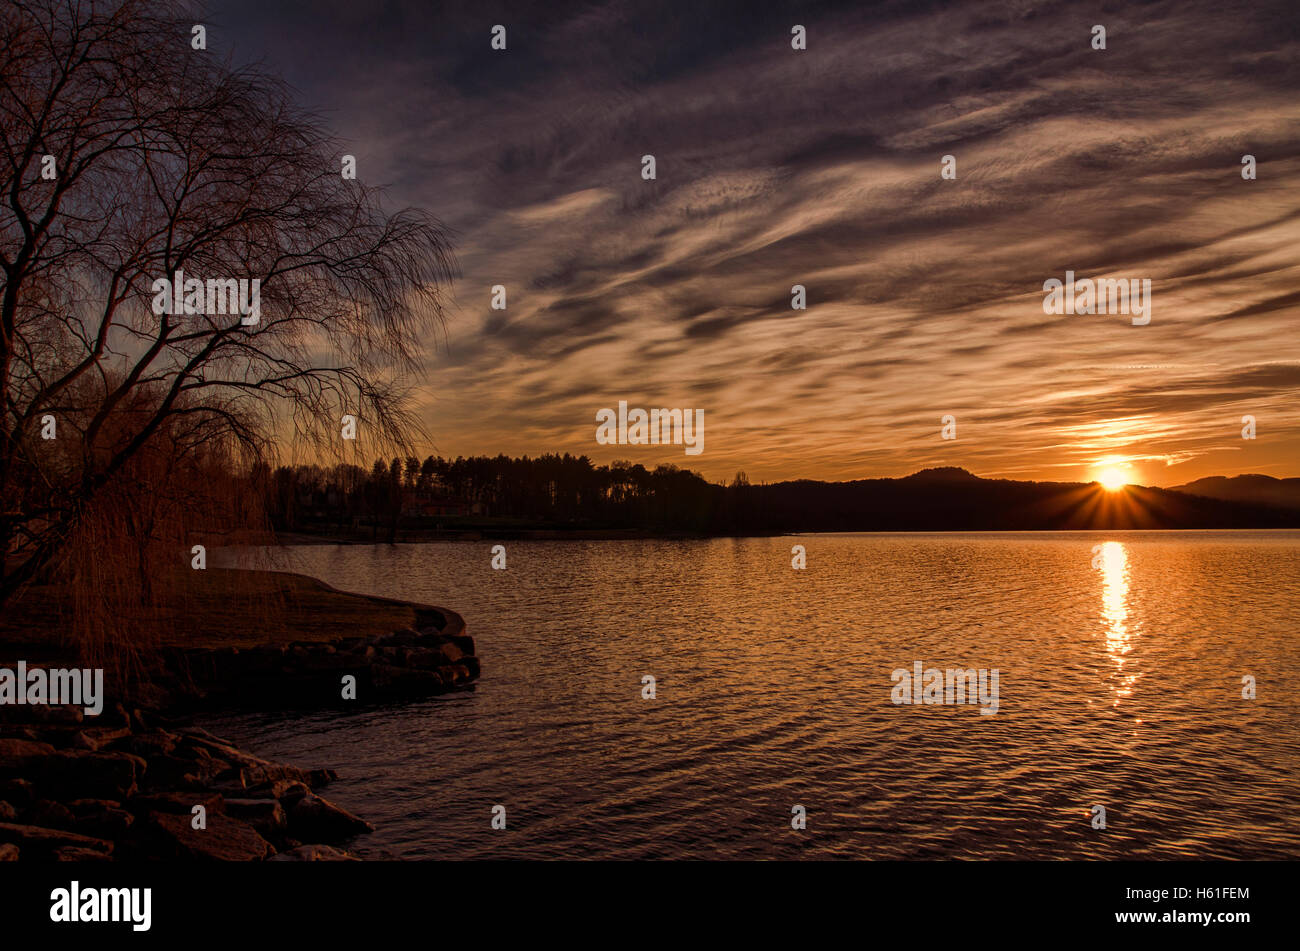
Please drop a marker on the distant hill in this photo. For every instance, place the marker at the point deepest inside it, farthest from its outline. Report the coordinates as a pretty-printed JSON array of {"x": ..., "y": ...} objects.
[
  {"x": 951, "y": 499},
  {"x": 1257, "y": 489}
]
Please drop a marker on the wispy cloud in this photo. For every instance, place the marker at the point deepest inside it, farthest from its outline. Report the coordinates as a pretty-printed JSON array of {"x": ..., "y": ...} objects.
[{"x": 821, "y": 168}]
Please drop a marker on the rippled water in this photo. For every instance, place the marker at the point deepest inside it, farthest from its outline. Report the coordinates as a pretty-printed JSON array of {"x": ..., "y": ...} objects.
[{"x": 1120, "y": 685}]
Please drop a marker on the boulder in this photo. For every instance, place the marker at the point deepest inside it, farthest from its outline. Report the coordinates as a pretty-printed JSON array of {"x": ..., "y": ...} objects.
[
  {"x": 7, "y": 812},
  {"x": 403, "y": 638},
  {"x": 463, "y": 641},
  {"x": 148, "y": 745},
  {"x": 176, "y": 803},
  {"x": 322, "y": 777},
  {"x": 224, "y": 840},
  {"x": 424, "y": 658},
  {"x": 286, "y": 791},
  {"x": 8, "y": 852},
  {"x": 102, "y": 818},
  {"x": 405, "y": 681},
  {"x": 18, "y": 756},
  {"x": 253, "y": 776},
  {"x": 9, "y": 731},
  {"x": 60, "y": 713},
  {"x": 315, "y": 819},
  {"x": 197, "y": 769},
  {"x": 451, "y": 653},
  {"x": 267, "y": 816},
  {"x": 19, "y": 792},
  {"x": 37, "y": 839},
  {"x": 104, "y": 735},
  {"x": 201, "y": 743},
  {"x": 83, "y": 774},
  {"x": 426, "y": 618},
  {"x": 51, "y": 815}
]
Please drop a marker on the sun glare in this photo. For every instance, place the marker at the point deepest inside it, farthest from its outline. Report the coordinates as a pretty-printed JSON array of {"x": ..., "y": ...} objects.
[{"x": 1112, "y": 479}]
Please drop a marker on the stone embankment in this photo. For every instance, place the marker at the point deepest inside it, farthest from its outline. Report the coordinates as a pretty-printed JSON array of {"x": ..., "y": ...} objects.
[{"x": 133, "y": 784}]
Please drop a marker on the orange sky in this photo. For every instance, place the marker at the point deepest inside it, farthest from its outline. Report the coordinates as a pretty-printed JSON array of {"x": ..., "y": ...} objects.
[{"x": 821, "y": 167}]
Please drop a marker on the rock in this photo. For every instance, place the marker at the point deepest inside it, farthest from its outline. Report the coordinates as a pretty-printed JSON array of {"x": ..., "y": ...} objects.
[
  {"x": 20, "y": 792},
  {"x": 286, "y": 791},
  {"x": 176, "y": 803},
  {"x": 253, "y": 776},
  {"x": 321, "y": 777},
  {"x": 7, "y": 812},
  {"x": 267, "y": 816},
  {"x": 224, "y": 840},
  {"x": 402, "y": 680},
  {"x": 471, "y": 664},
  {"x": 424, "y": 658},
  {"x": 461, "y": 674},
  {"x": 198, "y": 770},
  {"x": 9, "y": 731},
  {"x": 61, "y": 713},
  {"x": 426, "y": 617},
  {"x": 463, "y": 641},
  {"x": 16, "y": 756},
  {"x": 90, "y": 775},
  {"x": 315, "y": 853},
  {"x": 104, "y": 735},
  {"x": 315, "y": 819},
  {"x": 51, "y": 815},
  {"x": 38, "y": 839},
  {"x": 209, "y": 745},
  {"x": 8, "y": 852},
  {"x": 403, "y": 638},
  {"x": 102, "y": 818},
  {"x": 74, "y": 853},
  {"x": 148, "y": 745},
  {"x": 451, "y": 652}
]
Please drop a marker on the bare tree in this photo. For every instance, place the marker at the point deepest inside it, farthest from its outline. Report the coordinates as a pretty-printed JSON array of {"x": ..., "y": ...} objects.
[{"x": 127, "y": 156}]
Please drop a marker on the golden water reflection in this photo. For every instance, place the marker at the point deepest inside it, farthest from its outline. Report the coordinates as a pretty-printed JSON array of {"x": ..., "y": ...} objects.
[{"x": 1120, "y": 632}]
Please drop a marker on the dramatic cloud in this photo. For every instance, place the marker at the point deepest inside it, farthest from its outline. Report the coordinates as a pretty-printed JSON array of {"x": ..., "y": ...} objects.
[{"x": 821, "y": 168}]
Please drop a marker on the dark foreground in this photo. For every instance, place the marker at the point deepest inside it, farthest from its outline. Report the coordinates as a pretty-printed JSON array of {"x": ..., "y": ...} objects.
[{"x": 135, "y": 783}]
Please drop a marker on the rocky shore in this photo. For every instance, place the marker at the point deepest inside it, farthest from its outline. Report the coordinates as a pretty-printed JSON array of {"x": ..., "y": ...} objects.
[
  {"x": 138, "y": 784},
  {"x": 433, "y": 656}
]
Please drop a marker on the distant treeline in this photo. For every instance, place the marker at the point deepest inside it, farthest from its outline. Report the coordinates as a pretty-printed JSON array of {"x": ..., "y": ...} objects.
[
  {"x": 565, "y": 492},
  {"x": 544, "y": 491}
]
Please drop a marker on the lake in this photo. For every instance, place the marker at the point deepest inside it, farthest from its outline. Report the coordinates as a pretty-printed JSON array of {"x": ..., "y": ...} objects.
[{"x": 1120, "y": 676}]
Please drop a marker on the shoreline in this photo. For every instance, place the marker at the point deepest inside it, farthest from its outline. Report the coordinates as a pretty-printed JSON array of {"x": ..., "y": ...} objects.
[{"x": 139, "y": 781}]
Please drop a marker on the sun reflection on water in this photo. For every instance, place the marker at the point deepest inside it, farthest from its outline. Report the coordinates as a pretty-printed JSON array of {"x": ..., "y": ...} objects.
[{"x": 1115, "y": 613}]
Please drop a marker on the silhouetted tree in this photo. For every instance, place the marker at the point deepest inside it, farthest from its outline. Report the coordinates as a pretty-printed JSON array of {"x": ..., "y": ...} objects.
[{"x": 165, "y": 160}]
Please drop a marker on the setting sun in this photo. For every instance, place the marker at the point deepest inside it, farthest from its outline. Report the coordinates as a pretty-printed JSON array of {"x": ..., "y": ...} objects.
[{"x": 1112, "y": 479}]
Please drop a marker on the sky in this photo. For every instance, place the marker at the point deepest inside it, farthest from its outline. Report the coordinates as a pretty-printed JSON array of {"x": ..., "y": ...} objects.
[{"x": 822, "y": 167}]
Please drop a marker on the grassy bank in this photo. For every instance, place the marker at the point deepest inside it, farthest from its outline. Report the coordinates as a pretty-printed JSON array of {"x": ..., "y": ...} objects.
[{"x": 213, "y": 608}]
